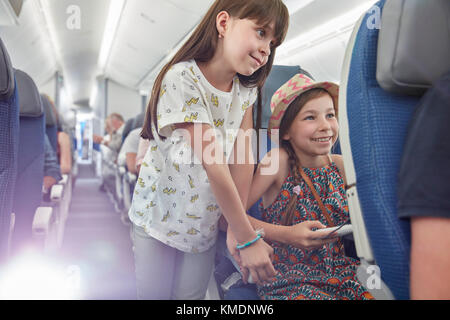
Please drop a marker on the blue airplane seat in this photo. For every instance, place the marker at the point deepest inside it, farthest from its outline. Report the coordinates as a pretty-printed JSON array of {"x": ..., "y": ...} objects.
[
  {"x": 277, "y": 77},
  {"x": 139, "y": 121},
  {"x": 9, "y": 146},
  {"x": 374, "y": 125},
  {"x": 51, "y": 126},
  {"x": 28, "y": 190},
  {"x": 95, "y": 146},
  {"x": 127, "y": 128},
  {"x": 131, "y": 124}
]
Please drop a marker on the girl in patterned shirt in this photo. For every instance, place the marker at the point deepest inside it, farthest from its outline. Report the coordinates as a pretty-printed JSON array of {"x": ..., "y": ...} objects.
[
  {"x": 309, "y": 265},
  {"x": 189, "y": 177}
]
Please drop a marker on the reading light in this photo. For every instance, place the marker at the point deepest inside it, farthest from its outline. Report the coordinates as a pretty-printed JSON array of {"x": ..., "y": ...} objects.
[
  {"x": 44, "y": 8},
  {"x": 116, "y": 8}
]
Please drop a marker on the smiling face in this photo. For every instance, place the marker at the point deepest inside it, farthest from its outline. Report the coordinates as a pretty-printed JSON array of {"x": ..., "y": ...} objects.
[
  {"x": 314, "y": 130},
  {"x": 247, "y": 45}
]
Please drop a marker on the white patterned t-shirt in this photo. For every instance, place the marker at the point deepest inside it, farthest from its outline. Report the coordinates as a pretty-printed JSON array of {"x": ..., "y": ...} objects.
[{"x": 173, "y": 200}]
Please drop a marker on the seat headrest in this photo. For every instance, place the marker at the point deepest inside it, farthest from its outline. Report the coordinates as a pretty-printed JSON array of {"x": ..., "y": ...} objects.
[
  {"x": 139, "y": 121},
  {"x": 277, "y": 77},
  {"x": 6, "y": 73},
  {"x": 29, "y": 99},
  {"x": 413, "y": 45},
  {"x": 50, "y": 117}
]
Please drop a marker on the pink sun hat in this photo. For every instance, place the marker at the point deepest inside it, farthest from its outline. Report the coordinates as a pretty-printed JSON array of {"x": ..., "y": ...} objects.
[{"x": 289, "y": 91}]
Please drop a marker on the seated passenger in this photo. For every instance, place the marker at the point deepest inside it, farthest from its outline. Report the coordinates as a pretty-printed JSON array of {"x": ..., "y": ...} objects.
[
  {"x": 128, "y": 151},
  {"x": 116, "y": 124},
  {"x": 308, "y": 266},
  {"x": 52, "y": 171},
  {"x": 423, "y": 194},
  {"x": 107, "y": 153},
  {"x": 64, "y": 152},
  {"x": 64, "y": 146},
  {"x": 107, "y": 137}
]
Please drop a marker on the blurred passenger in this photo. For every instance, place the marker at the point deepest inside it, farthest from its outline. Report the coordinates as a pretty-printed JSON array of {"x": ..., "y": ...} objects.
[
  {"x": 424, "y": 195},
  {"x": 116, "y": 123},
  {"x": 129, "y": 150},
  {"x": 109, "y": 131},
  {"x": 64, "y": 145},
  {"x": 107, "y": 153},
  {"x": 52, "y": 171}
]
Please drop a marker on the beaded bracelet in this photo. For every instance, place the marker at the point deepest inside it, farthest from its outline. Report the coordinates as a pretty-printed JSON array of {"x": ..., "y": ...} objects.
[
  {"x": 259, "y": 234},
  {"x": 242, "y": 246}
]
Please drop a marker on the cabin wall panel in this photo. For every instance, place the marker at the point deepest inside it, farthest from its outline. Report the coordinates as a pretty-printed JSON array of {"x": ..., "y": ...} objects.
[
  {"x": 123, "y": 100},
  {"x": 323, "y": 61},
  {"x": 49, "y": 88}
]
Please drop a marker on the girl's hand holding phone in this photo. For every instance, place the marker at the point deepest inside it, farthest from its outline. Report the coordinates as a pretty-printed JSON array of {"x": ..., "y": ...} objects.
[{"x": 304, "y": 236}]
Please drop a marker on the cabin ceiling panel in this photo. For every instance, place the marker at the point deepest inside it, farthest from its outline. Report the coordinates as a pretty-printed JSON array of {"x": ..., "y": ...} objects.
[
  {"x": 79, "y": 47},
  {"x": 319, "y": 12},
  {"x": 147, "y": 32},
  {"x": 29, "y": 48}
]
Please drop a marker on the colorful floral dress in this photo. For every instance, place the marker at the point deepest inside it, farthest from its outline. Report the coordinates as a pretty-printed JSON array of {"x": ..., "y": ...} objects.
[{"x": 317, "y": 274}]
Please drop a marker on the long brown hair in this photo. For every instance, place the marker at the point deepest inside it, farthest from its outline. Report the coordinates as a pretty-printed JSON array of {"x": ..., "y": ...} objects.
[
  {"x": 202, "y": 45},
  {"x": 294, "y": 162}
]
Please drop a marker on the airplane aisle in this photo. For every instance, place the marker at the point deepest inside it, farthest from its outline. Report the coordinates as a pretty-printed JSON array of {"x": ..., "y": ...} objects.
[{"x": 97, "y": 242}]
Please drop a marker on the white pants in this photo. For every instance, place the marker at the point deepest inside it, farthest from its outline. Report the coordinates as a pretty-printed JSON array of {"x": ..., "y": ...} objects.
[{"x": 164, "y": 273}]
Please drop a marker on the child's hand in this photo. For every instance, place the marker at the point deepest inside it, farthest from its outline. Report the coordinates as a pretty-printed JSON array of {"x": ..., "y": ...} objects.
[
  {"x": 302, "y": 236},
  {"x": 97, "y": 139},
  {"x": 257, "y": 260},
  {"x": 260, "y": 268},
  {"x": 231, "y": 245}
]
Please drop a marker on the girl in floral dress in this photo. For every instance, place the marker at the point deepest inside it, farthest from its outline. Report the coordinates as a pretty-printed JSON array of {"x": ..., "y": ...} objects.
[{"x": 308, "y": 266}]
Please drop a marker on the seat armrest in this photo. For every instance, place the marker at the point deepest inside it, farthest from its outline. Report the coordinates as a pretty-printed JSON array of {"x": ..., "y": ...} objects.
[
  {"x": 42, "y": 221},
  {"x": 349, "y": 237},
  {"x": 12, "y": 224},
  {"x": 63, "y": 181},
  {"x": 56, "y": 193},
  {"x": 131, "y": 177}
]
